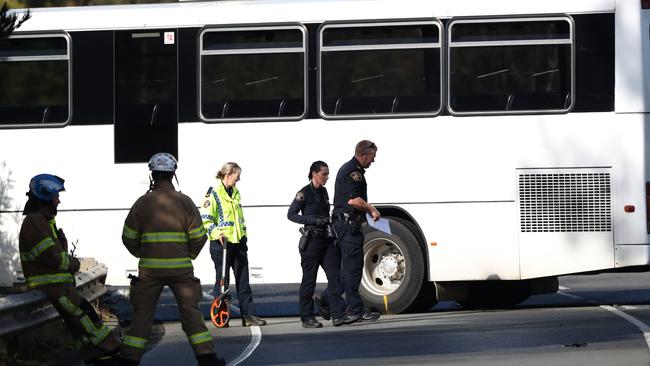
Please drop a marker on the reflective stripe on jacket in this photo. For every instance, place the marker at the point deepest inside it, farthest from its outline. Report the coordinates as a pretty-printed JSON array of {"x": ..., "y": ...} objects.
[
  {"x": 164, "y": 229},
  {"x": 43, "y": 254},
  {"x": 223, "y": 214}
]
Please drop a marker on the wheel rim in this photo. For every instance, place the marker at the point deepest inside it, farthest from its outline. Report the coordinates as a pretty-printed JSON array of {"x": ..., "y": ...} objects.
[{"x": 384, "y": 267}]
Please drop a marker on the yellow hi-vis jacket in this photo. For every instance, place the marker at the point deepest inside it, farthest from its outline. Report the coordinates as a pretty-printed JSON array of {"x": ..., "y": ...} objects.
[{"x": 222, "y": 214}]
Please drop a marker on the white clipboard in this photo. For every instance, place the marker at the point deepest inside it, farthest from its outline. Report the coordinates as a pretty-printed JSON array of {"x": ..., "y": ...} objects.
[{"x": 381, "y": 224}]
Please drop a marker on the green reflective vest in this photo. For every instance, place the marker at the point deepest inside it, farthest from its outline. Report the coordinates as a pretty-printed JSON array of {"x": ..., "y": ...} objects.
[{"x": 223, "y": 214}]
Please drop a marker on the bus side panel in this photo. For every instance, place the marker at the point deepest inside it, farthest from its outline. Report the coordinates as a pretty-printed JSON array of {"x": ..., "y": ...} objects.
[{"x": 469, "y": 241}]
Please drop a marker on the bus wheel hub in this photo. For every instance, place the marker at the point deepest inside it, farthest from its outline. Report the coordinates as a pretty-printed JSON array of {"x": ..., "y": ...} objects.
[{"x": 389, "y": 268}]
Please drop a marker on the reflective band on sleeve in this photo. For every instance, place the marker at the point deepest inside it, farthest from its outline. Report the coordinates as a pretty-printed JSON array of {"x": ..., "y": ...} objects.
[
  {"x": 69, "y": 306},
  {"x": 164, "y": 237},
  {"x": 212, "y": 227},
  {"x": 98, "y": 334},
  {"x": 199, "y": 338},
  {"x": 183, "y": 262},
  {"x": 226, "y": 223},
  {"x": 207, "y": 217},
  {"x": 41, "y": 247},
  {"x": 65, "y": 261},
  {"x": 197, "y": 233},
  {"x": 49, "y": 279},
  {"x": 130, "y": 233},
  {"x": 135, "y": 342},
  {"x": 101, "y": 334}
]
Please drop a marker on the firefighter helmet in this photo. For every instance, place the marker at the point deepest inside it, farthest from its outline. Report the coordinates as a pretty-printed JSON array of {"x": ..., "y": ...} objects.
[
  {"x": 163, "y": 162},
  {"x": 46, "y": 186}
]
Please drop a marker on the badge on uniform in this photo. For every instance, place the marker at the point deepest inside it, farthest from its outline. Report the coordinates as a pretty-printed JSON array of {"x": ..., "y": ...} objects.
[
  {"x": 356, "y": 176},
  {"x": 206, "y": 204},
  {"x": 300, "y": 196}
]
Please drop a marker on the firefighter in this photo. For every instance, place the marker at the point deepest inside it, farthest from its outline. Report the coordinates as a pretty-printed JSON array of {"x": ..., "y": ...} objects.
[
  {"x": 164, "y": 230},
  {"x": 49, "y": 267}
]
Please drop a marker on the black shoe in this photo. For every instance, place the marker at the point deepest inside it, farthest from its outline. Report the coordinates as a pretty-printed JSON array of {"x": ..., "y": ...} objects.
[
  {"x": 311, "y": 323},
  {"x": 347, "y": 319},
  {"x": 249, "y": 320},
  {"x": 210, "y": 359},
  {"x": 323, "y": 308},
  {"x": 369, "y": 316}
]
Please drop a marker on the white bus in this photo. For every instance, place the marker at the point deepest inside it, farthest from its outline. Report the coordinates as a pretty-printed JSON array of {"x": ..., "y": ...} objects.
[{"x": 512, "y": 134}]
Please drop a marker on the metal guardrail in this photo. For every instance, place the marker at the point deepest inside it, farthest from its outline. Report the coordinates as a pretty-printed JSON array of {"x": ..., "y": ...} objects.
[{"x": 22, "y": 311}]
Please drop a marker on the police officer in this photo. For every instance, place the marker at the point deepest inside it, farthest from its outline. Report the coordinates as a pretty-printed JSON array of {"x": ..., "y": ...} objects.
[
  {"x": 48, "y": 267},
  {"x": 350, "y": 208},
  {"x": 318, "y": 247},
  {"x": 223, "y": 218},
  {"x": 164, "y": 230}
]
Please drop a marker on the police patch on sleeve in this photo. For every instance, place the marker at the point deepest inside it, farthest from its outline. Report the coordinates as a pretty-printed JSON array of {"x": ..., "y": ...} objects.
[
  {"x": 356, "y": 176},
  {"x": 206, "y": 204},
  {"x": 300, "y": 196}
]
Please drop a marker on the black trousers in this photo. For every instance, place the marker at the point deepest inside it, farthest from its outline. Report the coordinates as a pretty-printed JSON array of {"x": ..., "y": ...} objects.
[
  {"x": 321, "y": 252},
  {"x": 351, "y": 264},
  {"x": 237, "y": 259}
]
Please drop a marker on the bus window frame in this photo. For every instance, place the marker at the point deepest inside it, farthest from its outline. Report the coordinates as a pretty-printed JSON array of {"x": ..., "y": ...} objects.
[
  {"x": 240, "y": 28},
  {"x": 394, "y": 46},
  {"x": 67, "y": 57},
  {"x": 465, "y": 20}
]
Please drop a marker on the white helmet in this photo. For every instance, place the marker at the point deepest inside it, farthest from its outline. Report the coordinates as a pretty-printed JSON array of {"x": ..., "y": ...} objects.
[{"x": 163, "y": 162}]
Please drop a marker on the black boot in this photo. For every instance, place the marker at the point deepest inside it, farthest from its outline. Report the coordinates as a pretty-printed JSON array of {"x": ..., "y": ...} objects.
[
  {"x": 311, "y": 323},
  {"x": 247, "y": 320},
  {"x": 210, "y": 359},
  {"x": 346, "y": 319}
]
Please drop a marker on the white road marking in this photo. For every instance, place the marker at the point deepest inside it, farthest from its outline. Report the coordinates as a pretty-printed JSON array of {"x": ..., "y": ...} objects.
[
  {"x": 571, "y": 296},
  {"x": 564, "y": 288},
  {"x": 645, "y": 329},
  {"x": 256, "y": 338},
  {"x": 634, "y": 321}
]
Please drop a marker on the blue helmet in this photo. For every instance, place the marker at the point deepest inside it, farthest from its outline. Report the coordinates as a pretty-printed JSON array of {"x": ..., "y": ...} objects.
[{"x": 45, "y": 186}]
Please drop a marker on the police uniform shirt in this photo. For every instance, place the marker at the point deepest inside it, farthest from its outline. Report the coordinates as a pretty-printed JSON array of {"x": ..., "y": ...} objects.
[
  {"x": 350, "y": 184},
  {"x": 313, "y": 202}
]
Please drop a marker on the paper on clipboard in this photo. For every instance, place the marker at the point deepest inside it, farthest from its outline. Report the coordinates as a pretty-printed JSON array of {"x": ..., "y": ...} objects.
[{"x": 381, "y": 224}]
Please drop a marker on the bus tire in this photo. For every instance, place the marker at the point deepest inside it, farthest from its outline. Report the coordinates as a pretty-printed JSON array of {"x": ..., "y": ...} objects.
[{"x": 394, "y": 271}]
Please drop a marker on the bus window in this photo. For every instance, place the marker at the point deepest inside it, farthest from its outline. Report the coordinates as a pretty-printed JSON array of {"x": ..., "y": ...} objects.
[
  {"x": 253, "y": 74},
  {"x": 510, "y": 66},
  {"x": 35, "y": 83},
  {"x": 380, "y": 70}
]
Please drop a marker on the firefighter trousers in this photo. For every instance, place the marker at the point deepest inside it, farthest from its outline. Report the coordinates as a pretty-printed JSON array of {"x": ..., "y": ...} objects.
[
  {"x": 83, "y": 321},
  {"x": 144, "y": 296}
]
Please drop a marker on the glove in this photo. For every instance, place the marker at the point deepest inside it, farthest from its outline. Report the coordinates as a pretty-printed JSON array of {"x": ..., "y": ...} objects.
[
  {"x": 74, "y": 265},
  {"x": 322, "y": 221}
]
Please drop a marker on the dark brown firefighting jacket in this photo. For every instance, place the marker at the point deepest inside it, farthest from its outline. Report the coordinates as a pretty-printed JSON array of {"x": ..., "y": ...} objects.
[
  {"x": 43, "y": 254},
  {"x": 164, "y": 230}
]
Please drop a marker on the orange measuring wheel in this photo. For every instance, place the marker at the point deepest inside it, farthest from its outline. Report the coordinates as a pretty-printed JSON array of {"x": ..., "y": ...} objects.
[{"x": 220, "y": 312}]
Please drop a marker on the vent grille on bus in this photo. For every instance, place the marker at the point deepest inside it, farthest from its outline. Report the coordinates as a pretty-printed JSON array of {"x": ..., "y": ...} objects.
[{"x": 565, "y": 202}]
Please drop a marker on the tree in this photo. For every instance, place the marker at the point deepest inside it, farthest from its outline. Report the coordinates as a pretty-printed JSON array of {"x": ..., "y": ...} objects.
[{"x": 9, "y": 22}]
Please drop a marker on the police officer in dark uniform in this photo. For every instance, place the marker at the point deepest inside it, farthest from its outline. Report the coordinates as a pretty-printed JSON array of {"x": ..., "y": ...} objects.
[
  {"x": 350, "y": 208},
  {"x": 318, "y": 247}
]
